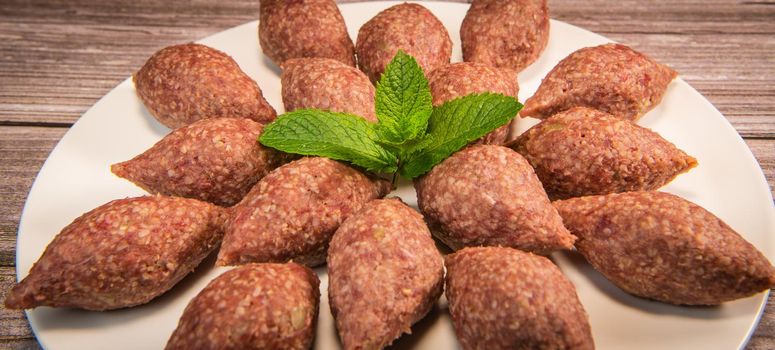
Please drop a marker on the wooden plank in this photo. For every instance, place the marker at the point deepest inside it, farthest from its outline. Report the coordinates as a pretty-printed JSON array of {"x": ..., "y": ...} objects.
[
  {"x": 13, "y": 322},
  {"x": 22, "y": 152},
  {"x": 53, "y": 75},
  {"x": 764, "y": 151},
  {"x": 20, "y": 344}
]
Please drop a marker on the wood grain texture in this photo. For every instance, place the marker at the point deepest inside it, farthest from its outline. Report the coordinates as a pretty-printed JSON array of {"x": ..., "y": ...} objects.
[{"x": 58, "y": 57}]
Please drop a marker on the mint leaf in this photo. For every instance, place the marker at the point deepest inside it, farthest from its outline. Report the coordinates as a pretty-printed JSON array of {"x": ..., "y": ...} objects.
[
  {"x": 327, "y": 134},
  {"x": 403, "y": 101},
  {"x": 456, "y": 123}
]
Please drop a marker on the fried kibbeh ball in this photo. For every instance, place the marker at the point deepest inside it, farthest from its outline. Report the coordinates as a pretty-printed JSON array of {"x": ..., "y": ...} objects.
[
  {"x": 662, "y": 247},
  {"x": 583, "y": 152},
  {"x": 217, "y": 160},
  {"x": 121, "y": 254},
  {"x": 505, "y": 33},
  {"x": 612, "y": 78},
  {"x": 292, "y": 213},
  {"x": 304, "y": 28},
  {"x": 181, "y": 84},
  {"x": 464, "y": 78},
  {"x": 254, "y": 306},
  {"x": 408, "y": 27},
  {"x": 385, "y": 274},
  {"x": 503, "y": 298},
  {"x": 487, "y": 195},
  {"x": 322, "y": 83}
]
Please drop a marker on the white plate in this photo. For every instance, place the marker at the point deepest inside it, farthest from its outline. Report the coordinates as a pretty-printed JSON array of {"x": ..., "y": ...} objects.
[{"x": 76, "y": 178}]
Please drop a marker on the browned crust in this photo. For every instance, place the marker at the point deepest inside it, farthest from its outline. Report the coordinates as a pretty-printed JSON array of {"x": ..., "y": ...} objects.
[
  {"x": 215, "y": 160},
  {"x": 489, "y": 195},
  {"x": 659, "y": 246},
  {"x": 326, "y": 84},
  {"x": 121, "y": 254},
  {"x": 383, "y": 253},
  {"x": 181, "y": 84},
  {"x": 583, "y": 151},
  {"x": 503, "y": 298},
  {"x": 292, "y": 213},
  {"x": 304, "y": 28},
  {"x": 255, "y": 306},
  {"x": 505, "y": 33},
  {"x": 612, "y": 78},
  {"x": 408, "y": 27}
]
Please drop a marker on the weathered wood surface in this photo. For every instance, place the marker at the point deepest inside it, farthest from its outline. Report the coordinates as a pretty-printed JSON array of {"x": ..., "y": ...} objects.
[{"x": 58, "y": 57}]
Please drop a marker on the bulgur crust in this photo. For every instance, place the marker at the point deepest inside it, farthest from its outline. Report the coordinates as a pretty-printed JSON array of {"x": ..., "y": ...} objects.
[
  {"x": 326, "y": 84},
  {"x": 255, "y": 306},
  {"x": 612, "y": 78},
  {"x": 292, "y": 213},
  {"x": 216, "y": 160},
  {"x": 505, "y": 33},
  {"x": 660, "y": 246},
  {"x": 463, "y": 78},
  {"x": 385, "y": 274},
  {"x": 583, "y": 151},
  {"x": 121, "y": 254},
  {"x": 181, "y": 84},
  {"x": 489, "y": 195},
  {"x": 408, "y": 27},
  {"x": 304, "y": 28},
  {"x": 503, "y": 298}
]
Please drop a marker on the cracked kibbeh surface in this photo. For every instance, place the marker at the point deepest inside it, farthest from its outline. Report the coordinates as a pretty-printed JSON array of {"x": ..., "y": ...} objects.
[
  {"x": 121, "y": 254},
  {"x": 254, "y": 306},
  {"x": 292, "y": 213},
  {"x": 660, "y": 246},
  {"x": 181, "y": 84},
  {"x": 503, "y": 298}
]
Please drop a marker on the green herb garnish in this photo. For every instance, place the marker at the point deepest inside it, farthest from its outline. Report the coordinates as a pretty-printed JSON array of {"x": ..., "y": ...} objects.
[{"x": 411, "y": 136}]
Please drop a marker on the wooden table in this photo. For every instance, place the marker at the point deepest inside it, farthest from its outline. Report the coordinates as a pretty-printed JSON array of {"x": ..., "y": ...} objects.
[{"x": 59, "y": 56}]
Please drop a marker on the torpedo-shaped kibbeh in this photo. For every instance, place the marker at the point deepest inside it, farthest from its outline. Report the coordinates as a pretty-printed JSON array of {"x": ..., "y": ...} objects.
[
  {"x": 216, "y": 160},
  {"x": 489, "y": 195},
  {"x": 612, "y": 78},
  {"x": 255, "y": 306},
  {"x": 385, "y": 274},
  {"x": 326, "y": 84},
  {"x": 292, "y": 213},
  {"x": 503, "y": 298},
  {"x": 660, "y": 246},
  {"x": 306, "y": 28},
  {"x": 463, "y": 78},
  {"x": 505, "y": 33},
  {"x": 408, "y": 27},
  {"x": 583, "y": 152},
  {"x": 181, "y": 84},
  {"x": 121, "y": 254}
]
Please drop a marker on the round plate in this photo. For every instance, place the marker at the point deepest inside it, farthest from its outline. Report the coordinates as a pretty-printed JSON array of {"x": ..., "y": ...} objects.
[{"x": 76, "y": 178}]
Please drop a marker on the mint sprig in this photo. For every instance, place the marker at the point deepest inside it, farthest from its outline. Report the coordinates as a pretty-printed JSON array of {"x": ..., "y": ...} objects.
[
  {"x": 332, "y": 135},
  {"x": 403, "y": 101},
  {"x": 455, "y": 124},
  {"x": 411, "y": 136}
]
